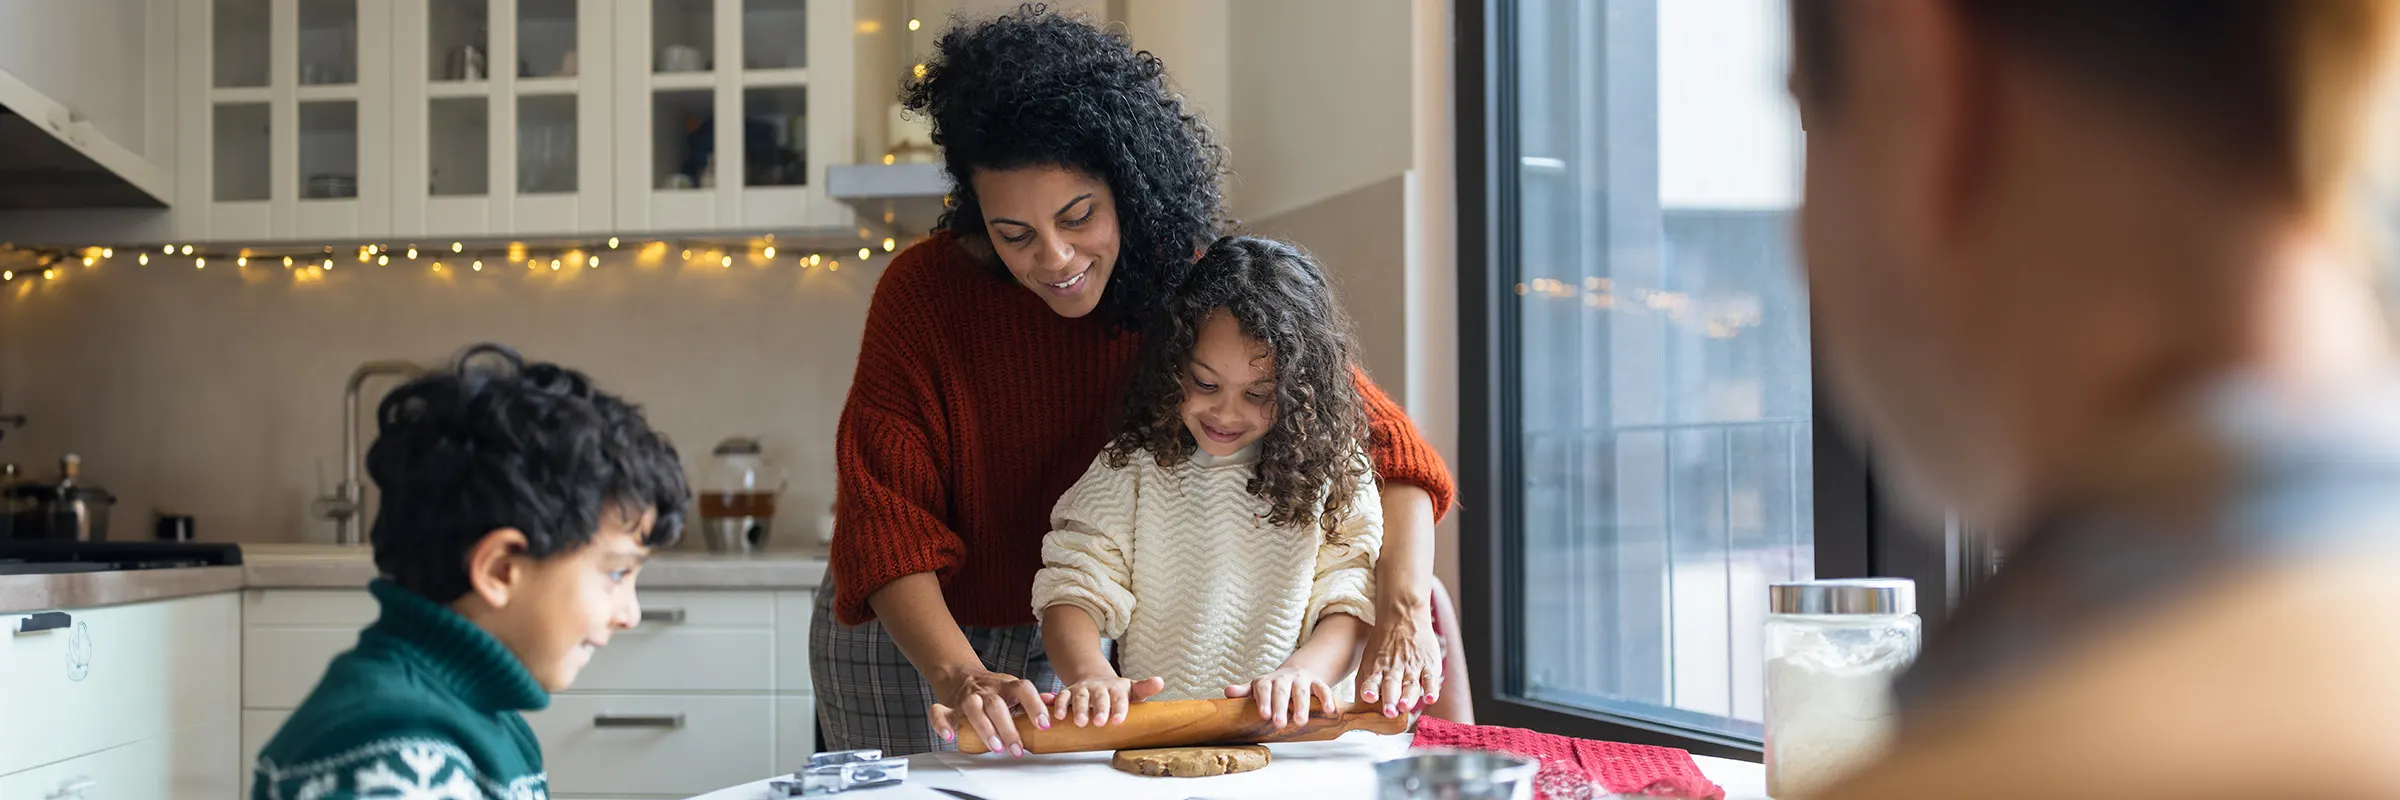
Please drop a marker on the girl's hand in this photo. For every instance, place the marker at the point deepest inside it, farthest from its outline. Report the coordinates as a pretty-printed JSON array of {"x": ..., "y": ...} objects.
[
  {"x": 1284, "y": 696},
  {"x": 1403, "y": 667},
  {"x": 1102, "y": 701}
]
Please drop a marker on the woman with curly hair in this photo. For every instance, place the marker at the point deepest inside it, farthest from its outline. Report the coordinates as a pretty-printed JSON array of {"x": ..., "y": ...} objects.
[
  {"x": 1226, "y": 538},
  {"x": 993, "y": 355}
]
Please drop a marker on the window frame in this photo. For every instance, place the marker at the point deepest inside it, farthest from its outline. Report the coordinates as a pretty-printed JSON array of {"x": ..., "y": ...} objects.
[{"x": 1856, "y": 534}]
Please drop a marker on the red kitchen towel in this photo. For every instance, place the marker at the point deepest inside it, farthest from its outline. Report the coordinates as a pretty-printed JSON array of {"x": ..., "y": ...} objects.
[{"x": 1617, "y": 768}]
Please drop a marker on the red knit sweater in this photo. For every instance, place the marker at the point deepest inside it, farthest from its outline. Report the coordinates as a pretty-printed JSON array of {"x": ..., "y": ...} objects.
[{"x": 974, "y": 407}]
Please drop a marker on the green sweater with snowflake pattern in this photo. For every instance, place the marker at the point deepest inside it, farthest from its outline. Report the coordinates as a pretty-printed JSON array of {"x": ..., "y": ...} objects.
[{"x": 425, "y": 708}]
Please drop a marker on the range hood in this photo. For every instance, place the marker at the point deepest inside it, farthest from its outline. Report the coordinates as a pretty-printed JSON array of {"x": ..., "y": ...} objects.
[
  {"x": 903, "y": 198},
  {"x": 51, "y": 158}
]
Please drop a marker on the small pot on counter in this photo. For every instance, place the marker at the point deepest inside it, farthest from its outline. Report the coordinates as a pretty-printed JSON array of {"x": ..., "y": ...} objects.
[{"x": 65, "y": 510}]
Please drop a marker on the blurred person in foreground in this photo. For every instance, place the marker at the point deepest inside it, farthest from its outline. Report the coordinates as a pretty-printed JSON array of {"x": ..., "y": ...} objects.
[{"x": 2100, "y": 275}]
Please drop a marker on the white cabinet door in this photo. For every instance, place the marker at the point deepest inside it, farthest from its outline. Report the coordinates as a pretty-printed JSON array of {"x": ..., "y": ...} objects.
[
  {"x": 521, "y": 146},
  {"x": 690, "y": 641},
  {"x": 287, "y": 118},
  {"x": 114, "y": 676},
  {"x": 191, "y": 764},
  {"x": 795, "y": 732},
  {"x": 729, "y": 111}
]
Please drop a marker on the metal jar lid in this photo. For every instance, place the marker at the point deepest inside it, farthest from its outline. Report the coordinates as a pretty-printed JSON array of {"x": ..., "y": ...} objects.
[{"x": 1844, "y": 596}]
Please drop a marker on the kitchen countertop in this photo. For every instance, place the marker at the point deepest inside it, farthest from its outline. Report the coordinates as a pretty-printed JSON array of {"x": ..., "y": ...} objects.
[
  {"x": 325, "y": 566},
  {"x": 22, "y": 593},
  {"x": 1336, "y": 770}
]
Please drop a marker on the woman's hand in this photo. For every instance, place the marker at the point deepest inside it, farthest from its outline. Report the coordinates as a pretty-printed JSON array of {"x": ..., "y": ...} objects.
[
  {"x": 1101, "y": 700},
  {"x": 1284, "y": 696},
  {"x": 1403, "y": 667},
  {"x": 987, "y": 700}
]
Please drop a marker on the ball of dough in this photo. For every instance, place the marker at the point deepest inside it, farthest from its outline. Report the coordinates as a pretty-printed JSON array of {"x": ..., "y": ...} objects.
[{"x": 1191, "y": 762}]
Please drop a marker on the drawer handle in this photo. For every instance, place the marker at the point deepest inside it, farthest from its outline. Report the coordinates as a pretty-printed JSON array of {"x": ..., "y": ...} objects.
[
  {"x": 75, "y": 789},
  {"x": 44, "y": 621},
  {"x": 637, "y": 720},
  {"x": 662, "y": 615}
]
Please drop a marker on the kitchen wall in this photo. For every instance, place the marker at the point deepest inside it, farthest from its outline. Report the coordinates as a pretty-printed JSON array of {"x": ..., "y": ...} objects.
[{"x": 218, "y": 394}]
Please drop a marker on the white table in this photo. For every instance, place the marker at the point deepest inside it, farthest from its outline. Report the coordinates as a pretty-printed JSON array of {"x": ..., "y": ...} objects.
[{"x": 1337, "y": 770}]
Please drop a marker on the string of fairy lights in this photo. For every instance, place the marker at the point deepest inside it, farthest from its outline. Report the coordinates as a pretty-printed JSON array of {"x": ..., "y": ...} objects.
[{"x": 19, "y": 262}]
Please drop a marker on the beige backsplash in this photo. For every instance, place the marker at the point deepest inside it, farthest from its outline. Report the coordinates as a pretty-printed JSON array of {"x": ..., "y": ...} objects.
[{"x": 219, "y": 395}]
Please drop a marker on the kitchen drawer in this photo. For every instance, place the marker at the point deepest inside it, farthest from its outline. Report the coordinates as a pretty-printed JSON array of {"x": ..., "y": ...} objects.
[
  {"x": 692, "y": 641},
  {"x": 793, "y": 610},
  {"x": 281, "y": 665},
  {"x": 309, "y": 608},
  {"x": 713, "y": 742},
  {"x": 114, "y": 676},
  {"x": 191, "y": 764}
]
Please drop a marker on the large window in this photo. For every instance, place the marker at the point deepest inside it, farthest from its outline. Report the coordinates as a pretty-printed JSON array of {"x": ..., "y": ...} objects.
[{"x": 1641, "y": 417}]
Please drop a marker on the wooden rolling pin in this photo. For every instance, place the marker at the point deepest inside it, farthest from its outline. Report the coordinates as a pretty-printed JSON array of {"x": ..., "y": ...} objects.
[{"x": 1177, "y": 723}]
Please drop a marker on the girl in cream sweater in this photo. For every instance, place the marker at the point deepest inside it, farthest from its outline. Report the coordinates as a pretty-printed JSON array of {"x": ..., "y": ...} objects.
[{"x": 1226, "y": 537}]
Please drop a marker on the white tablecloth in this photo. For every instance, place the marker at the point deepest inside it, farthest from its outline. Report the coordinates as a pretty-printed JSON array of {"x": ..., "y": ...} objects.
[{"x": 1337, "y": 770}]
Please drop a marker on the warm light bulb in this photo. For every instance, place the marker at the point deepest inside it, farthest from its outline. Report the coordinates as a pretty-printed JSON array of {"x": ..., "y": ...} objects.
[
  {"x": 889, "y": 159},
  {"x": 594, "y": 262},
  {"x": 412, "y": 254},
  {"x": 889, "y": 244},
  {"x": 363, "y": 255},
  {"x": 553, "y": 265},
  {"x": 478, "y": 265},
  {"x": 457, "y": 246},
  {"x": 834, "y": 267},
  {"x": 199, "y": 263},
  {"x": 437, "y": 266},
  {"x": 144, "y": 260},
  {"x": 383, "y": 260},
  {"x": 87, "y": 261},
  {"x": 915, "y": 24},
  {"x": 8, "y": 274},
  {"x": 612, "y": 243},
  {"x": 726, "y": 261},
  {"x": 370, "y": 249},
  {"x": 187, "y": 249},
  {"x": 687, "y": 255},
  {"x": 108, "y": 252},
  {"x": 49, "y": 273},
  {"x": 863, "y": 254},
  {"x": 287, "y": 262},
  {"x": 243, "y": 261},
  {"x": 329, "y": 265},
  {"x": 167, "y": 250},
  {"x": 815, "y": 259},
  {"x": 770, "y": 251},
  {"x": 919, "y": 71}
]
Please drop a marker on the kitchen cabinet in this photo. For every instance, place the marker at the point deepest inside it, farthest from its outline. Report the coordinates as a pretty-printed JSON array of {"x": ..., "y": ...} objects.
[
  {"x": 701, "y": 695},
  {"x": 127, "y": 701},
  {"x": 287, "y": 119},
  {"x": 490, "y": 119}
]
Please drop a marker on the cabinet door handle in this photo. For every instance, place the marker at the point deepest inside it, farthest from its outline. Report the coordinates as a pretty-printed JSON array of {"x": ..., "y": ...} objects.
[
  {"x": 662, "y": 615},
  {"x": 637, "y": 720},
  {"x": 44, "y": 621},
  {"x": 75, "y": 789}
]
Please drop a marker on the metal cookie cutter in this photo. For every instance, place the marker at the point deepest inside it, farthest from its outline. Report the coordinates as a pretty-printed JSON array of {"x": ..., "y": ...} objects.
[{"x": 842, "y": 771}]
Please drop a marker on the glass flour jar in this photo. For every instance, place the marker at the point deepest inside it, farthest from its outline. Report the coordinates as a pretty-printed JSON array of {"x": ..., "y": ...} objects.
[{"x": 1833, "y": 648}]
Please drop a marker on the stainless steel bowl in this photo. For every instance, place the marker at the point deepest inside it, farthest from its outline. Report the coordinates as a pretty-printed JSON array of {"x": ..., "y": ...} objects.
[{"x": 1455, "y": 775}]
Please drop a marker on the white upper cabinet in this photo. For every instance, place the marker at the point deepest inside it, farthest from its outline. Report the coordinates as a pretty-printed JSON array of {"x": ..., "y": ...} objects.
[{"x": 340, "y": 120}]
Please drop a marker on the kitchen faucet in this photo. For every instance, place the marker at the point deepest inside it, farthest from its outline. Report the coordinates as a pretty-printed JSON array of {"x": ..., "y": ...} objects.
[{"x": 347, "y": 503}]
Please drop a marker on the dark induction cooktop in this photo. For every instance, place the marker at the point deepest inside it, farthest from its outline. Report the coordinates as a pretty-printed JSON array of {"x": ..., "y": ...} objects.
[{"x": 46, "y": 557}]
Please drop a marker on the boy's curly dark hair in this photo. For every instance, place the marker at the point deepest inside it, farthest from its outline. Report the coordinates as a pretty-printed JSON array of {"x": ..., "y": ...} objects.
[
  {"x": 1033, "y": 88},
  {"x": 494, "y": 442},
  {"x": 1311, "y": 461}
]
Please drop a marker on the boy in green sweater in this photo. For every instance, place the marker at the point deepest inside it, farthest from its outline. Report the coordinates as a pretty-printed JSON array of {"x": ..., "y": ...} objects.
[{"x": 518, "y": 506}]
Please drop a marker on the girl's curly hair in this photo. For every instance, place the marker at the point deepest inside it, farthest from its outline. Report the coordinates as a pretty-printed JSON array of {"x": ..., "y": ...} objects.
[
  {"x": 1033, "y": 88},
  {"x": 1313, "y": 457}
]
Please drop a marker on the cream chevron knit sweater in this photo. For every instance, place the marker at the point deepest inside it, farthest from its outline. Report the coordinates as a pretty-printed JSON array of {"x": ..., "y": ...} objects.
[{"x": 1178, "y": 565}]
